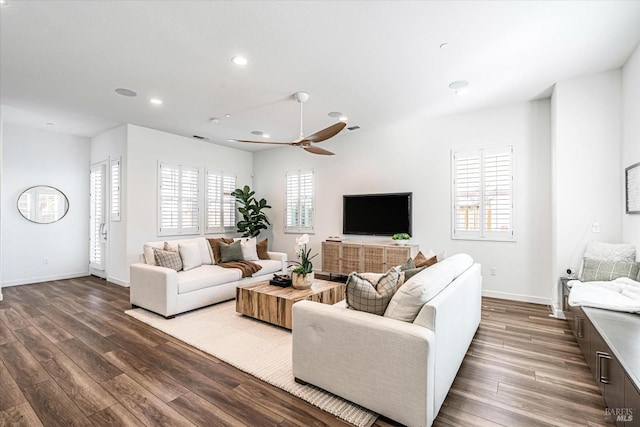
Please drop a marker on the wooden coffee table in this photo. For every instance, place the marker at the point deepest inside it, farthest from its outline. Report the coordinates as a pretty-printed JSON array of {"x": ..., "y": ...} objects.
[{"x": 273, "y": 304}]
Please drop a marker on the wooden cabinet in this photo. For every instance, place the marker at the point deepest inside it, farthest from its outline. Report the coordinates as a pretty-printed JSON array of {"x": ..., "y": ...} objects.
[
  {"x": 611, "y": 373},
  {"x": 347, "y": 257}
]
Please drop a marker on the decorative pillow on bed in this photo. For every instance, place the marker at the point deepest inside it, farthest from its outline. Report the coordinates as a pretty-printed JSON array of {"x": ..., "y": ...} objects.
[
  {"x": 364, "y": 294},
  {"x": 231, "y": 251},
  {"x": 169, "y": 259},
  {"x": 598, "y": 270},
  {"x": 190, "y": 255}
]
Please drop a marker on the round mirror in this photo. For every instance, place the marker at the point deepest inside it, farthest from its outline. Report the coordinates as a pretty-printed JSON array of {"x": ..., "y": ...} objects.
[{"x": 43, "y": 204}]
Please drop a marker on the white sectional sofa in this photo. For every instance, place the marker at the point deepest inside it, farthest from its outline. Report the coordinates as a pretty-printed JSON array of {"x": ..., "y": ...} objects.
[
  {"x": 402, "y": 370},
  {"x": 169, "y": 292}
]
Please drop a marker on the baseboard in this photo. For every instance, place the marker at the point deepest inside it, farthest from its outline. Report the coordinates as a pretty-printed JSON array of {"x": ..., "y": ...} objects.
[
  {"x": 117, "y": 281},
  {"x": 517, "y": 297},
  {"x": 44, "y": 279}
]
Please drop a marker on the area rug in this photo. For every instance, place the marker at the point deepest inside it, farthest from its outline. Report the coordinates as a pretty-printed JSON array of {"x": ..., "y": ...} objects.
[{"x": 252, "y": 346}]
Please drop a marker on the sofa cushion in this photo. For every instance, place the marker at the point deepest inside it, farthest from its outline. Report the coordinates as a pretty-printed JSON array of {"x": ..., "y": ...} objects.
[
  {"x": 598, "y": 270},
  {"x": 419, "y": 289},
  {"x": 249, "y": 249},
  {"x": 205, "y": 277},
  {"x": 230, "y": 252},
  {"x": 215, "y": 247},
  {"x": 168, "y": 259},
  {"x": 262, "y": 248},
  {"x": 190, "y": 255},
  {"x": 364, "y": 295},
  {"x": 203, "y": 247},
  {"x": 149, "y": 256},
  {"x": 268, "y": 266}
]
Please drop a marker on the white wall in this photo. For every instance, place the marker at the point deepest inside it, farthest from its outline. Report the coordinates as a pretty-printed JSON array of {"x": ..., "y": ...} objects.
[
  {"x": 631, "y": 138},
  {"x": 108, "y": 146},
  {"x": 587, "y": 132},
  {"x": 35, "y": 157},
  {"x": 415, "y": 156},
  {"x": 145, "y": 148}
]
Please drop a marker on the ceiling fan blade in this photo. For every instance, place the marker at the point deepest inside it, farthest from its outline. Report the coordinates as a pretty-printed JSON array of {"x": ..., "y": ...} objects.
[
  {"x": 318, "y": 150},
  {"x": 326, "y": 133},
  {"x": 263, "y": 142}
]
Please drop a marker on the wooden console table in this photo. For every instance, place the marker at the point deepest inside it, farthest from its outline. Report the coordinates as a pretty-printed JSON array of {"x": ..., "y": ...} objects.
[
  {"x": 273, "y": 304},
  {"x": 347, "y": 257}
]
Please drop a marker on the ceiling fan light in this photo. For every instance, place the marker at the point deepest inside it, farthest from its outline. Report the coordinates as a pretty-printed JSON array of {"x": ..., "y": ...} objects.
[
  {"x": 266, "y": 135},
  {"x": 343, "y": 118}
]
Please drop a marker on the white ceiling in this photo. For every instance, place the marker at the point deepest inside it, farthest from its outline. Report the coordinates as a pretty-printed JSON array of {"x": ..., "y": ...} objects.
[{"x": 375, "y": 61}]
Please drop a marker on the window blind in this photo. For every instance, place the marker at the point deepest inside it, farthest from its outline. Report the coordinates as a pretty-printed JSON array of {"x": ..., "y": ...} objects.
[
  {"x": 115, "y": 190},
  {"x": 299, "y": 201},
  {"x": 220, "y": 205},
  {"x": 178, "y": 196},
  {"x": 483, "y": 193},
  {"x": 96, "y": 214}
]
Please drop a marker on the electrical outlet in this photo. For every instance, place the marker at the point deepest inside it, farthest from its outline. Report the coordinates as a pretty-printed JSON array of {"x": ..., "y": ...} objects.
[
  {"x": 45, "y": 261},
  {"x": 492, "y": 271}
]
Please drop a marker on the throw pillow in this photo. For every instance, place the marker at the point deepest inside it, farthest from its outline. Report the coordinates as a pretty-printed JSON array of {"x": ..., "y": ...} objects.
[
  {"x": 408, "y": 265},
  {"x": 440, "y": 256},
  {"x": 190, "y": 255},
  {"x": 149, "y": 256},
  {"x": 169, "y": 259},
  {"x": 408, "y": 274},
  {"x": 173, "y": 247},
  {"x": 249, "y": 249},
  {"x": 598, "y": 270},
  {"x": 215, "y": 247},
  {"x": 422, "y": 261},
  {"x": 230, "y": 251},
  {"x": 364, "y": 295},
  {"x": 262, "y": 248}
]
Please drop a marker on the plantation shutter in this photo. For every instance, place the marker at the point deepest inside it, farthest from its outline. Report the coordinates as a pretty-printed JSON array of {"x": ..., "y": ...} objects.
[
  {"x": 178, "y": 211},
  {"x": 299, "y": 201},
  {"x": 115, "y": 190},
  {"x": 221, "y": 206},
  {"x": 483, "y": 193},
  {"x": 96, "y": 211}
]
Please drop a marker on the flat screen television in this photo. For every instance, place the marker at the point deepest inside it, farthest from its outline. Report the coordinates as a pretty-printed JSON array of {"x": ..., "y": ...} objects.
[{"x": 376, "y": 214}]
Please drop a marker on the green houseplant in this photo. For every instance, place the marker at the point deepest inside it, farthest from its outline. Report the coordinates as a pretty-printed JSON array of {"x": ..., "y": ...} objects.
[
  {"x": 400, "y": 238},
  {"x": 253, "y": 219}
]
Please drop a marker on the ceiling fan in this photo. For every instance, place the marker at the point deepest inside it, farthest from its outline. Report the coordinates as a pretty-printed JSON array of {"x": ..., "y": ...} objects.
[{"x": 305, "y": 142}]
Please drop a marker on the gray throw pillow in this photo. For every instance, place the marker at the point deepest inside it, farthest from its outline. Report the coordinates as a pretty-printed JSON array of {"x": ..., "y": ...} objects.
[
  {"x": 231, "y": 252},
  {"x": 407, "y": 265},
  {"x": 169, "y": 259},
  {"x": 364, "y": 295},
  {"x": 598, "y": 270},
  {"x": 408, "y": 274}
]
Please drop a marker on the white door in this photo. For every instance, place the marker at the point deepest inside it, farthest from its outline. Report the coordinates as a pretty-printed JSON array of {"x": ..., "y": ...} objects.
[{"x": 97, "y": 221}]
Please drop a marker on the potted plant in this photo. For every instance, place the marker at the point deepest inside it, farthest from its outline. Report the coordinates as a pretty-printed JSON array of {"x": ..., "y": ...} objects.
[
  {"x": 400, "y": 238},
  {"x": 302, "y": 275},
  {"x": 253, "y": 219}
]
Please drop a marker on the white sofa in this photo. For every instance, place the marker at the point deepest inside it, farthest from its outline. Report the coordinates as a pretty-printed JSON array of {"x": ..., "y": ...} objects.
[
  {"x": 398, "y": 369},
  {"x": 169, "y": 292}
]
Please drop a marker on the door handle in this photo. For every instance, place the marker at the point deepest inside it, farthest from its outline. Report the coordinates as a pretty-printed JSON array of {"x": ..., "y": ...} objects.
[
  {"x": 602, "y": 372},
  {"x": 103, "y": 231}
]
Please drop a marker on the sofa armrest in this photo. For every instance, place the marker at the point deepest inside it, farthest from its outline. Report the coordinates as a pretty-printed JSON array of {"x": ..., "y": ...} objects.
[
  {"x": 279, "y": 256},
  {"x": 380, "y": 363},
  {"x": 154, "y": 288}
]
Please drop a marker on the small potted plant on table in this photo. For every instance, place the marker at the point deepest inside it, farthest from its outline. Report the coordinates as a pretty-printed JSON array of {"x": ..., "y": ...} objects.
[
  {"x": 302, "y": 275},
  {"x": 401, "y": 238}
]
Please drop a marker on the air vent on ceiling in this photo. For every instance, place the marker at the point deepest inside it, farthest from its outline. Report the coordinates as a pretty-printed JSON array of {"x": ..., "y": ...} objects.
[{"x": 352, "y": 128}]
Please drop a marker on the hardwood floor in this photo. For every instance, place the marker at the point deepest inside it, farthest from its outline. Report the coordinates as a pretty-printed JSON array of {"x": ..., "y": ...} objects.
[{"x": 70, "y": 356}]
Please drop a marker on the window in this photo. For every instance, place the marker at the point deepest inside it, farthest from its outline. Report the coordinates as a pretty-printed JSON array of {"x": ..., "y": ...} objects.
[
  {"x": 299, "y": 201},
  {"x": 220, "y": 205},
  {"x": 483, "y": 193},
  {"x": 115, "y": 190},
  {"x": 178, "y": 192}
]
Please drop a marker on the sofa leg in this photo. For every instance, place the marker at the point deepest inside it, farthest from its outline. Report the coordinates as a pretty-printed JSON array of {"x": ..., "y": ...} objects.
[
  {"x": 134, "y": 306},
  {"x": 299, "y": 381}
]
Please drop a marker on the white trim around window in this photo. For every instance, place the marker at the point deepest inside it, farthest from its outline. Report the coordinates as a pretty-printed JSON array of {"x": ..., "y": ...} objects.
[
  {"x": 299, "y": 201},
  {"x": 483, "y": 193}
]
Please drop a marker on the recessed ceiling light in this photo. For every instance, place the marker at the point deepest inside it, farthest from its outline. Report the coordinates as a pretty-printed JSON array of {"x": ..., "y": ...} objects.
[
  {"x": 228, "y": 116},
  {"x": 4, "y": 2},
  {"x": 239, "y": 60},
  {"x": 125, "y": 92},
  {"x": 215, "y": 120},
  {"x": 155, "y": 101},
  {"x": 266, "y": 135},
  {"x": 335, "y": 114},
  {"x": 256, "y": 132},
  {"x": 460, "y": 87}
]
